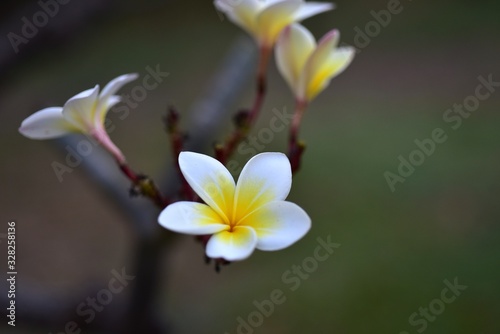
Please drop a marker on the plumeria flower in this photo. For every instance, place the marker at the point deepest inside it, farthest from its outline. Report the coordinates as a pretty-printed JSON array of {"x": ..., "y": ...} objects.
[
  {"x": 265, "y": 19},
  {"x": 239, "y": 217},
  {"x": 83, "y": 113},
  {"x": 307, "y": 67}
]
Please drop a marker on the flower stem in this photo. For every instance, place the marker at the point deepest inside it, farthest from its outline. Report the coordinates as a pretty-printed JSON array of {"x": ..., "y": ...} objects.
[
  {"x": 143, "y": 185},
  {"x": 177, "y": 144},
  {"x": 246, "y": 120},
  {"x": 102, "y": 138},
  {"x": 296, "y": 148},
  {"x": 265, "y": 53}
]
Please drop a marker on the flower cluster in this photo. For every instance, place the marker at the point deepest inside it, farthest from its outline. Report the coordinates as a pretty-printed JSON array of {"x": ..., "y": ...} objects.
[
  {"x": 234, "y": 218},
  {"x": 307, "y": 67}
]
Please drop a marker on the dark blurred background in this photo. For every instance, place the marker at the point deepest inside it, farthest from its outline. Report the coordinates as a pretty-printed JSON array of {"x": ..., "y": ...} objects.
[{"x": 397, "y": 247}]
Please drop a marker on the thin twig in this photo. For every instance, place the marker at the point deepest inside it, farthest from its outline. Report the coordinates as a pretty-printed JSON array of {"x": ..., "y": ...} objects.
[
  {"x": 145, "y": 186},
  {"x": 295, "y": 147},
  {"x": 177, "y": 138},
  {"x": 245, "y": 121}
]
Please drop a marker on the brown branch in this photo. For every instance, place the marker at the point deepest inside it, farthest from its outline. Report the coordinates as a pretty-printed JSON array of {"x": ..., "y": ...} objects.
[
  {"x": 295, "y": 147},
  {"x": 145, "y": 186},
  {"x": 177, "y": 139},
  {"x": 244, "y": 121}
]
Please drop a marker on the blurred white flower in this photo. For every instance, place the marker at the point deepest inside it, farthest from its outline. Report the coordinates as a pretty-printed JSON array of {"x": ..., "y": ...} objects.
[
  {"x": 265, "y": 19},
  {"x": 240, "y": 217},
  {"x": 83, "y": 113}
]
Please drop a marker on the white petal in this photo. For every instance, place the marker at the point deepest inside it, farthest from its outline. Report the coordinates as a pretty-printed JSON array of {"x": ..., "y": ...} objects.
[
  {"x": 323, "y": 51},
  {"x": 267, "y": 3},
  {"x": 111, "y": 102},
  {"x": 107, "y": 98},
  {"x": 231, "y": 5},
  {"x": 191, "y": 218},
  {"x": 242, "y": 13},
  {"x": 293, "y": 48},
  {"x": 46, "y": 124},
  {"x": 317, "y": 69},
  {"x": 210, "y": 180},
  {"x": 278, "y": 225},
  {"x": 80, "y": 109},
  {"x": 341, "y": 58},
  {"x": 232, "y": 246},
  {"x": 273, "y": 19},
  {"x": 114, "y": 85},
  {"x": 325, "y": 63},
  {"x": 309, "y": 9},
  {"x": 265, "y": 178},
  {"x": 102, "y": 108}
]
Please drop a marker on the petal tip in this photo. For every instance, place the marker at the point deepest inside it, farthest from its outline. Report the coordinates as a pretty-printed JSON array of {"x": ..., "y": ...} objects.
[
  {"x": 327, "y": 5},
  {"x": 131, "y": 76},
  {"x": 22, "y": 131},
  {"x": 330, "y": 37},
  {"x": 186, "y": 155}
]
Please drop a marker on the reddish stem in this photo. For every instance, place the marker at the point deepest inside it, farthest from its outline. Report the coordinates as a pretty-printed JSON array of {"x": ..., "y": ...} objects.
[
  {"x": 296, "y": 148},
  {"x": 177, "y": 145},
  {"x": 141, "y": 183},
  {"x": 102, "y": 138},
  {"x": 223, "y": 153},
  {"x": 265, "y": 53},
  {"x": 144, "y": 186},
  {"x": 129, "y": 173}
]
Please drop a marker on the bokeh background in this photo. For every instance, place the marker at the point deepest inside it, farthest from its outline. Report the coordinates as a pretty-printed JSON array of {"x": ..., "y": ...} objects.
[{"x": 397, "y": 247}]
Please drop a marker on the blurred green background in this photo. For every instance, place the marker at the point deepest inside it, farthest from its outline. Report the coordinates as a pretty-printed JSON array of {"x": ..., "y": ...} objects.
[{"x": 397, "y": 247}]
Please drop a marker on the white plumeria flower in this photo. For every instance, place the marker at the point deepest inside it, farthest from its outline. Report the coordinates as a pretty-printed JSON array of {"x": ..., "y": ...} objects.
[
  {"x": 84, "y": 113},
  {"x": 265, "y": 19},
  {"x": 307, "y": 67},
  {"x": 252, "y": 214}
]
